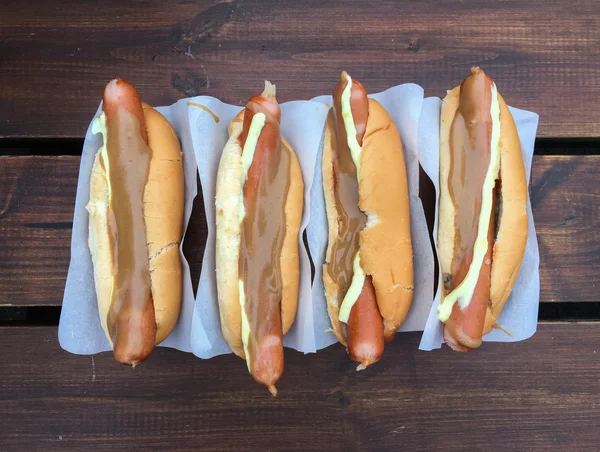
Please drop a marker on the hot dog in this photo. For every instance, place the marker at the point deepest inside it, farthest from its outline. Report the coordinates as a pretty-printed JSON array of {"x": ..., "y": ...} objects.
[
  {"x": 368, "y": 273},
  {"x": 259, "y": 199},
  {"x": 135, "y": 223},
  {"x": 482, "y": 229}
]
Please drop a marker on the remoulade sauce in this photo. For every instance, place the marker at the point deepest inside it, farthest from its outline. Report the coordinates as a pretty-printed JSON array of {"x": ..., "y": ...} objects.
[
  {"x": 262, "y": 233},
  {"x": 351, "y": 220},
  {"x": 128, "y": 165},
  {"x": 470, "y": 158}
]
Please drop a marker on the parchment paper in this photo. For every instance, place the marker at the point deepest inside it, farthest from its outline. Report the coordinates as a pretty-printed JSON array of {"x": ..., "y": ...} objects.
[{"x": 519, "y": 315}]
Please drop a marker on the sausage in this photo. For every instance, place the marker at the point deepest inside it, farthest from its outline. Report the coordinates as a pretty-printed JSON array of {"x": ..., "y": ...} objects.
[
  {"x": 464, "y": 329},
  {"x": 359, "y": 104},
  {"x": 133, "y": 323},
  {"x": 268, "y": 140},
  {"x": 265, "y": 345},
  {"x": 134, "y": 350},
  {"x": 119, "y": 93},
  {"x": 365, "y": 328},
  {"x": 265, "y": 103},
  {"x": 266, "y": 366}
]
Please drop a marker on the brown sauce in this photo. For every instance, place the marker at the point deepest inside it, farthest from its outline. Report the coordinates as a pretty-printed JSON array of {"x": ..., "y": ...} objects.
[
  {"x": 263, "y": 232},
  {"x": 351, "y": 220},
  {"x": 470, "y": 156},
  {"x": 205, "y": 108},
  {"x": 128, "y": 161}
]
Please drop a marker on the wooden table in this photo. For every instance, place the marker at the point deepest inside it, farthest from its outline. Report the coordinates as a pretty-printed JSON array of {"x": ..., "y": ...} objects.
[{"x": 55, "y": 57}]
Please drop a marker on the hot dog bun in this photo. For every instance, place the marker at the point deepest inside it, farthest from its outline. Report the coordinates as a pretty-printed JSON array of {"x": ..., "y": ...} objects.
[
  {"x": 385, "y": 243},
  {"x": 229, "y": 196},
  {"x": 511, "y": 238},
  {"x": 163, "y": 211},
  {"x": 511, "y": 208}
]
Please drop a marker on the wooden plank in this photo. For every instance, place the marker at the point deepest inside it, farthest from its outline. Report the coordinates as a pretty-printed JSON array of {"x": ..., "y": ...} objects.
[
  {"x": 37, "y": 195},
  {"x": 565, "y": 195},
  {"x": 541, "y": 394},
  {"x": 56, "y": 57},
  {"x": 37, "y": 198}
]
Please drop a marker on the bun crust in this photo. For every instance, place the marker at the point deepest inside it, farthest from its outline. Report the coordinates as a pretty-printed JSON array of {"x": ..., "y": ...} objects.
[
  {"x": 98, "y": 240},
  {"x": 385, "y": 243},
  {"x": 446, "y": 215},
  {"x": 229, "y": 195},
  {"x": 163, "y": 211},
  {"x": 511, "y": 239}
]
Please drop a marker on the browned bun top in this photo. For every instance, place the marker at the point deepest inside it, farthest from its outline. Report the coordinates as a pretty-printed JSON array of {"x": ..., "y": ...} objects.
[
  {"x": 385, "y": 243},
  {"x": 512, "y": 224},
  {"x": 163, "y": 211}
]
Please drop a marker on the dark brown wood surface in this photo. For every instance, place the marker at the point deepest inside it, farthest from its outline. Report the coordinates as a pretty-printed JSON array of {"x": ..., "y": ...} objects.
[
  {"x": 541, "y": 394},
  {"x": 56, "y": 57},
  {"x": 565, "y": 196},
  {"x": 37, "y": 196}
]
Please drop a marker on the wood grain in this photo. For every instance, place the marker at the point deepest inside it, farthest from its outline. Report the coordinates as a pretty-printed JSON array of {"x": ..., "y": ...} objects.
[
  {"x": 37, "y": 197},
  {"x": 57, "y": 57},
  {"x": 565, "y": 196},
  {"x": 541, "y": 394}
]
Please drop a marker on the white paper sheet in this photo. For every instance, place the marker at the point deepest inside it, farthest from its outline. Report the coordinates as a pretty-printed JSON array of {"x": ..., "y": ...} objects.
[
  {"x": 519, "y": 315},
  {"x": 79, "y": 330}
]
